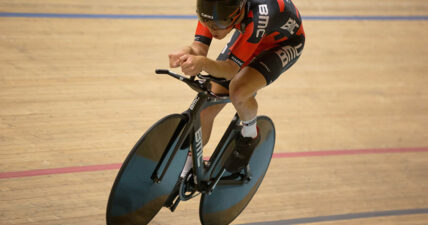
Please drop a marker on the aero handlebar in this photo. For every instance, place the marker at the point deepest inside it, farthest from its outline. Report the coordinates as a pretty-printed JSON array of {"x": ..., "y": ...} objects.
[{"x": 201, "y": 85}]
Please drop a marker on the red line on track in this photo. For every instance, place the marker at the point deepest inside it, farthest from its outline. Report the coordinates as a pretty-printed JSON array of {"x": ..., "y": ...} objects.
[
  {"x": 53, "y": 171},
  {"x": 80, "y": 169},
  {"x": 348, "y": 152}
]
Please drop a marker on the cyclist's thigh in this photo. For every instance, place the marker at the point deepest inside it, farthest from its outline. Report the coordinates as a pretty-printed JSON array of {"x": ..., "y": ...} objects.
[{"x": 273, "y": 62}]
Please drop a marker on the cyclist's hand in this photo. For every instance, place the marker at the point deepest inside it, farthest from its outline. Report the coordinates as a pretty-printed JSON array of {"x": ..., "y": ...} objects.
[
  {"x": 191, "y": 64},
  {"x": 174, "y": 59}
]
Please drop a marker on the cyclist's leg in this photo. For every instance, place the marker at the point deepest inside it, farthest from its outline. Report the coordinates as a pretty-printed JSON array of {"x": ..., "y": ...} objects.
[
  {"x": 262, "y": 71},
  {"x": 242, "y": 89}
]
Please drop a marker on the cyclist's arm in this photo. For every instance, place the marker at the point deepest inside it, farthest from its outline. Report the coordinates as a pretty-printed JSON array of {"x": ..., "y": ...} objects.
[
  {"x": 199, "y": 48},
  {"x": 221, "y": 69},
  {"x": 201, "y": 43}
]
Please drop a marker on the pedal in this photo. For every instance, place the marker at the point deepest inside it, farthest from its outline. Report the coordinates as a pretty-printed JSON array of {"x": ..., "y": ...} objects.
[{"x": 238, "y": 178}]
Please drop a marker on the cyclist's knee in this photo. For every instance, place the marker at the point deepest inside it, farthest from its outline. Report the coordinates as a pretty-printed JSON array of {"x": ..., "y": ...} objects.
[
  {"x": 239, "y": 93},
  {"x": 245, "y": 84}
]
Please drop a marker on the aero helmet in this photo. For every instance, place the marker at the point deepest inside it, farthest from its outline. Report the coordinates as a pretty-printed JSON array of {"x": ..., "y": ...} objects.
[{"x": 219, "y": 14}]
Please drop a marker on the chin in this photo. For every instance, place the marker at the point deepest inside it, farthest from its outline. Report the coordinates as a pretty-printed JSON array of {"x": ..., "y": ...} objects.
[
  {"x": 221, "y": 33},
  {"x": 219, "y": 37}
]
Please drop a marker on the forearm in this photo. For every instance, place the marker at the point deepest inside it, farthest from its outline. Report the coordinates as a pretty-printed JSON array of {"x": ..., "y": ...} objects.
[
  {"x": 221, "y": 69},
  {"x": 196, "y": 48}
]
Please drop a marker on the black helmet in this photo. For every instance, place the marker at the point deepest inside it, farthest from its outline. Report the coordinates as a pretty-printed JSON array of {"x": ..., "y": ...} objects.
[{"x": 219, "y": 14}]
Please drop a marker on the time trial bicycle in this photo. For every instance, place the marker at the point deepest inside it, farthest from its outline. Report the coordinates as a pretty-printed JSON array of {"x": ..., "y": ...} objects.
[{"x": 149, "y": 178}]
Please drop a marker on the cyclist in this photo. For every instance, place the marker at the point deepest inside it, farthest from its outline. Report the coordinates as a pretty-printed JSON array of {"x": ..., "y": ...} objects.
[{"x": 268, "y": 39}]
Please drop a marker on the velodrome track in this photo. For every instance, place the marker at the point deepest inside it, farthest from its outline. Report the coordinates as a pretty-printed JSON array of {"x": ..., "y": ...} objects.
[{"x": 77, "y": 90}]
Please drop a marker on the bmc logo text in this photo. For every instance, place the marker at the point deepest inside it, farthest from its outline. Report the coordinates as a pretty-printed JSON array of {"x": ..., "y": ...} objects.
[
  {"x": 192, "y": 106},
  {"x": 263, "y": 20},
  {"x": 289, "y": 53}
]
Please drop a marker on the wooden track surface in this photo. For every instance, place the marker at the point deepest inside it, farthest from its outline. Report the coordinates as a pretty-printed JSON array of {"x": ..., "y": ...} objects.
[{"x": 80, "y": 92}]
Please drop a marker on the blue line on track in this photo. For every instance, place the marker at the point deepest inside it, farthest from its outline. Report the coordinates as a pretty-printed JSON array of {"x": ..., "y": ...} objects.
[
  {"x": 191, "y": 17},
  {"x": 343, "y": 217},
  {"x": 95, "y": 16}
]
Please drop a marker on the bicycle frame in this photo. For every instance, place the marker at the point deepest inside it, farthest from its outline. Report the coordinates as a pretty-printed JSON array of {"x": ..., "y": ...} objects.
[{"x": 192, "y": 129}]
